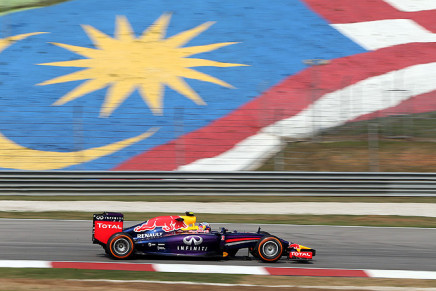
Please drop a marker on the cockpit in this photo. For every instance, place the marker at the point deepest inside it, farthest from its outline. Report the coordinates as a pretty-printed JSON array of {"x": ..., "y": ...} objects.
[{"x": 190, "y": 220}]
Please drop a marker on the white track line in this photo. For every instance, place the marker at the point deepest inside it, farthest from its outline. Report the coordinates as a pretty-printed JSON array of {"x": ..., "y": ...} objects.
[
  {"x": 399, "y": 274},
  {"x": 24, "y": 264},
  {"x": 210, "y": 269},
  {"x": 303, "y": 208}
]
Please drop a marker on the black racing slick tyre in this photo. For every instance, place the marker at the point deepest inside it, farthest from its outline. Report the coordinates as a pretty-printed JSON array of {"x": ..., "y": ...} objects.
[
  {"x": 269, "y": 249},
  {"x": 120, "y": 246}
]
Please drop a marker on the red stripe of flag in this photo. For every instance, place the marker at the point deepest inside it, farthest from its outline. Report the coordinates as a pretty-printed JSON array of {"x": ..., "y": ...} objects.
[{"x": 368, "y": 10}]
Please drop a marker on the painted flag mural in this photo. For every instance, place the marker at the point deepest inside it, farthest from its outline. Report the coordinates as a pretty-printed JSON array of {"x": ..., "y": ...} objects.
[{"x": 202, "y": 85}]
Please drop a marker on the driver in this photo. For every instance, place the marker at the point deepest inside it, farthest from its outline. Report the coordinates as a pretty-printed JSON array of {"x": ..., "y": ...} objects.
[
  {"x": 190, "y": 220},
  {"x": 204, "y": 227}
]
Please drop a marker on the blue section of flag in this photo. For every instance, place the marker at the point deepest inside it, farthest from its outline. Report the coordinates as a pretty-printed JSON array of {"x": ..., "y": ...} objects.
[{"x": 274, "y": 38}]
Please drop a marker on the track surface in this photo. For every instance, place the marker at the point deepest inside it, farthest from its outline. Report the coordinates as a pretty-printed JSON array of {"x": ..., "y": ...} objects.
[{"x": 337, "y": 247}]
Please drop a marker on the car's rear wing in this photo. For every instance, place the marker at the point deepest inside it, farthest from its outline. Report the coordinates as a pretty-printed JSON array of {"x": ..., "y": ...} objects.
[{"x": 104, "y": 225}]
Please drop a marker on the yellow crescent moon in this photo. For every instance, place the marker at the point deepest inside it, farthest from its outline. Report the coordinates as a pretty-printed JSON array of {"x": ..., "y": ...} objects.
[
  {"x": 15, "y": 156},
  {"x": 5, "y": 42}
]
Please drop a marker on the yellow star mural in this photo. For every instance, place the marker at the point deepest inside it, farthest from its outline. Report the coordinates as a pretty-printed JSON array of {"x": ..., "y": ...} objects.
[
  {"x": 147, "y": 63},
  {"x": 15, "y": 156}
]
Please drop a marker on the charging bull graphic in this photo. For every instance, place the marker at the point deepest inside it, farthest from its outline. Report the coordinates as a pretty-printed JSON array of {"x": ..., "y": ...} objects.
[{"x": 167, "y": 223}]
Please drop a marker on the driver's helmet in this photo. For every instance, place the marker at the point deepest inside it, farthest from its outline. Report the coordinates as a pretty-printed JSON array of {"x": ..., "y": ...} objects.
[{"x": 204, "y": 226}]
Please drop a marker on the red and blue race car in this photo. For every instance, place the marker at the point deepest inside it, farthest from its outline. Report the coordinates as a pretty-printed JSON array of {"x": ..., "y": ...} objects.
[{"x": 181, "y": 236}]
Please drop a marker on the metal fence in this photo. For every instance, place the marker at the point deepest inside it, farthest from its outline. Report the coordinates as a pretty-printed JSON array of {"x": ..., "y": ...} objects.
[
  {"x": 217, "y": 183},
  {"x": 395, "y": 143}
]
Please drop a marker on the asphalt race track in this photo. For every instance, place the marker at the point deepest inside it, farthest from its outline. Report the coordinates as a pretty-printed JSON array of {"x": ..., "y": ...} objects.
[{"x": 337, "y": 247}]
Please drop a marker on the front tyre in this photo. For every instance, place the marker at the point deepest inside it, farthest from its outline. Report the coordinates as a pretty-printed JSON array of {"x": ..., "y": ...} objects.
[
  {"x": 120, "y": 246},
  {"x": 269, "y": 249}
]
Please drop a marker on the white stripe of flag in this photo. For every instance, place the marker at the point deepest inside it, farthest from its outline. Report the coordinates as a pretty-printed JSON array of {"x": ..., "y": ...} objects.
[{"x": 412, "y": 5}]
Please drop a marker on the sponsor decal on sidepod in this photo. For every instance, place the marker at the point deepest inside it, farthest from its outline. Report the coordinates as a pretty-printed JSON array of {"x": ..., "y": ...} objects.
[
  {"x": 149, "y": 235},
  {"x": 193, "y": 239},
  {"x": 192, "y": 243}
]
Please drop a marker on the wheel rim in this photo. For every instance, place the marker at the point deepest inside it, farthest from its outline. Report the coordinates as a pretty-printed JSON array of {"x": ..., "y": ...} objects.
[
  {"x": 270, "y": 249},
  {"x": 121, "y": 246}
]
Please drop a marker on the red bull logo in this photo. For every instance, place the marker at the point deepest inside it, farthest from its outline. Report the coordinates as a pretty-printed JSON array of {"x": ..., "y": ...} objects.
[
  {"x": 167, "y": 223},
  {"x": 294, "y": 246}
]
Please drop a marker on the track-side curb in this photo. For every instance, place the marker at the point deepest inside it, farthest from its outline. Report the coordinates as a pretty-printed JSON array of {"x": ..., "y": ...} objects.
[{"x": 216, "y": 269}]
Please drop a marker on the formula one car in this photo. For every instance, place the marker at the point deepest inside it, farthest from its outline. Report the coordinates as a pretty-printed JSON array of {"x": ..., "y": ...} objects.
[{"x": 181, "y": 236}]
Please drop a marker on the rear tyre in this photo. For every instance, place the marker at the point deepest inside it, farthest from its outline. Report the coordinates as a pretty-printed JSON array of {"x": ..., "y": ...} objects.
[
  {"x": 269, "y": 249},
  {"x": 120, "y": 246}
]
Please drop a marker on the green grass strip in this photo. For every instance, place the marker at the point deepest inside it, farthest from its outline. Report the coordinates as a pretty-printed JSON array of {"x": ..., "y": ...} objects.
[
  {"x": 36, "y": 273},
  {"x": 7, "y": 5}
]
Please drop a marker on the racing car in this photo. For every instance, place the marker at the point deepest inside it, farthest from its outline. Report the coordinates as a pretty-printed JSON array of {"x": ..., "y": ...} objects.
[{"x": 182, "y": 236}]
